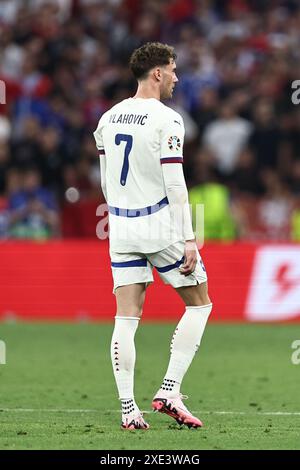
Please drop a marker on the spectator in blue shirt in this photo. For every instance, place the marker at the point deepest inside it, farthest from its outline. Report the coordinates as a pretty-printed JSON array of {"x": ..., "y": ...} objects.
[{"x": 33, "y": 212}]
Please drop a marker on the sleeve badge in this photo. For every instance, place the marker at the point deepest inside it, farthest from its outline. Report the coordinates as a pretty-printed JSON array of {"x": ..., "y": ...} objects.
[{"x": 174, "y": 143}]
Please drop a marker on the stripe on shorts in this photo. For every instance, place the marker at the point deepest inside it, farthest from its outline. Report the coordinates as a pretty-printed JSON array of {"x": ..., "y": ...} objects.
[
  {"x": 135, "y": 263},
  {"x": 169, "y": 267}
]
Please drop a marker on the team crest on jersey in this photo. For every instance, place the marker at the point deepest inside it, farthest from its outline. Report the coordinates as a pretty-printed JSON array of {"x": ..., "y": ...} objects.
[{"x": 174, "y": 143}]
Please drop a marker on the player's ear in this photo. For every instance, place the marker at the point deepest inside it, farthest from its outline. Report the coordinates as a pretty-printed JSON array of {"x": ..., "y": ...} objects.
[{"x": 157, "y": 73}]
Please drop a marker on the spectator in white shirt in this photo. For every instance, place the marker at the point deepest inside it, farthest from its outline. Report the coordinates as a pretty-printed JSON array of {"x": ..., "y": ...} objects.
[{"x": 225, "y": 138}]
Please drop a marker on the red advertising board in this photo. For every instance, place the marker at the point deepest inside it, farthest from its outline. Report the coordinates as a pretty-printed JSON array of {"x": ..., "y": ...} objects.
[{"x": 71, "y": 280}]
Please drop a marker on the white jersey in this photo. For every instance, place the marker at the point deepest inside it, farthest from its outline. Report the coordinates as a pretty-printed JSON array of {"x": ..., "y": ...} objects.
[{"x": 136, "y": 137}]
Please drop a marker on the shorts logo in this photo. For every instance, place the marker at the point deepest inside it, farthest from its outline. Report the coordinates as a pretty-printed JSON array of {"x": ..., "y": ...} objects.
[{"x": 174, "y": 143}]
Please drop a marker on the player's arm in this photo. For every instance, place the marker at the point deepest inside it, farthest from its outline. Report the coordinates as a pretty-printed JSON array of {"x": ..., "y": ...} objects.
[
  {"x": 102, "y": 157},
  {"x": 172, "y": 136},
  {"x": 177, "y": 195}
]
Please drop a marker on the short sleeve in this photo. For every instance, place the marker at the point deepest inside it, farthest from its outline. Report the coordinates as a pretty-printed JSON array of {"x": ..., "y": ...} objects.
[{"x": 172, "y": 137}]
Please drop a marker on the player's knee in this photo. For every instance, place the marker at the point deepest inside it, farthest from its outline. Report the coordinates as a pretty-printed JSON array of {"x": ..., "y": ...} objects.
[
  {"x": 137, "y": 313},
  {"x": 200, "y": 296},
  {"x": 131, "y": 312},
  {"x": 202, "y": 292},
  {"x": 200, "y": 302}
]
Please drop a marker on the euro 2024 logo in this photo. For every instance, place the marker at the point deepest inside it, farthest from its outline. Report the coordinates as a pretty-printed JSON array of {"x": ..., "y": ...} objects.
[{"x": 174, "y": 142}]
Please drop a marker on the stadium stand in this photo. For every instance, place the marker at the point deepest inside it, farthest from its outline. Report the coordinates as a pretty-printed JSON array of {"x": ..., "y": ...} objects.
[{"x": 64, "y": 63}]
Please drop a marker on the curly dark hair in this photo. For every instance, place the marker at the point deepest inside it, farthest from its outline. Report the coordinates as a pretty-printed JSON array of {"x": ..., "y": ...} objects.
[{"x": 150, "y": 55}]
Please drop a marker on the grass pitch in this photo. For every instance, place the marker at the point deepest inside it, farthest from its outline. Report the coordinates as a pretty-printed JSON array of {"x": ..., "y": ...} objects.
[{"x": 57, "y": 389}]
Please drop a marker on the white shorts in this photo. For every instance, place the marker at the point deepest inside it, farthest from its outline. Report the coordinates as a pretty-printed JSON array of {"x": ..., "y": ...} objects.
[{"x": 135, "y": 268}]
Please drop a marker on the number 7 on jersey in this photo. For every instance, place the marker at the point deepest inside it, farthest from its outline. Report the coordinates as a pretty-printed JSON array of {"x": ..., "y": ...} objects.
[{"x": 125, "y": 168}]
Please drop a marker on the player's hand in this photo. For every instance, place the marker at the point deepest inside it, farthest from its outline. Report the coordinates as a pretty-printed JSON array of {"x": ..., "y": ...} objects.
[{"x": 190, "y": 258}]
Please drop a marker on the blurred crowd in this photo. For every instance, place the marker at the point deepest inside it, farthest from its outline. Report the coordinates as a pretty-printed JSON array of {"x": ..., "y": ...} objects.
[{"x": 65, "y": 62}]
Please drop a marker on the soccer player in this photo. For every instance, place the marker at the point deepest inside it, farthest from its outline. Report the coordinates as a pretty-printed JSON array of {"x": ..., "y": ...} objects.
[{"x": 140, "y": 143}]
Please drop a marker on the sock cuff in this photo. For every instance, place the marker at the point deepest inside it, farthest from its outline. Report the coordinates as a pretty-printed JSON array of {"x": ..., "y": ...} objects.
[
  {"x": 198, "y": 306},
  {"x": 117, "y": 317}
]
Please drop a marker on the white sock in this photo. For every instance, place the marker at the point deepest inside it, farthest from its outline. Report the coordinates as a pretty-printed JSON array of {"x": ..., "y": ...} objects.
[
  {"x": 123, "y": 359},
  {"x": 185, "y": 343}
]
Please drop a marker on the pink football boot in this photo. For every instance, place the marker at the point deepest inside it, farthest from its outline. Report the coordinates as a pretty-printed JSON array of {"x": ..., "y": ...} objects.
[{"x": 174, "y": 408}]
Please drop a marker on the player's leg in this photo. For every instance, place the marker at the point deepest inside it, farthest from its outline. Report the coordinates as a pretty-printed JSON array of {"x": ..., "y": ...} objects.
[
  {"x": 185, "y": 343},
  {"x": 187, "y": 336},
  {"x": 130, "y": 300},
  {"x": 131, "y": 273},
  {"x": 189, "y": 331}
]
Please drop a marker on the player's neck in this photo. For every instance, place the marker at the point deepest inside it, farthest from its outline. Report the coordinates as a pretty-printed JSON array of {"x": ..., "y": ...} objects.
[{"x": 146, "y": 91}]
